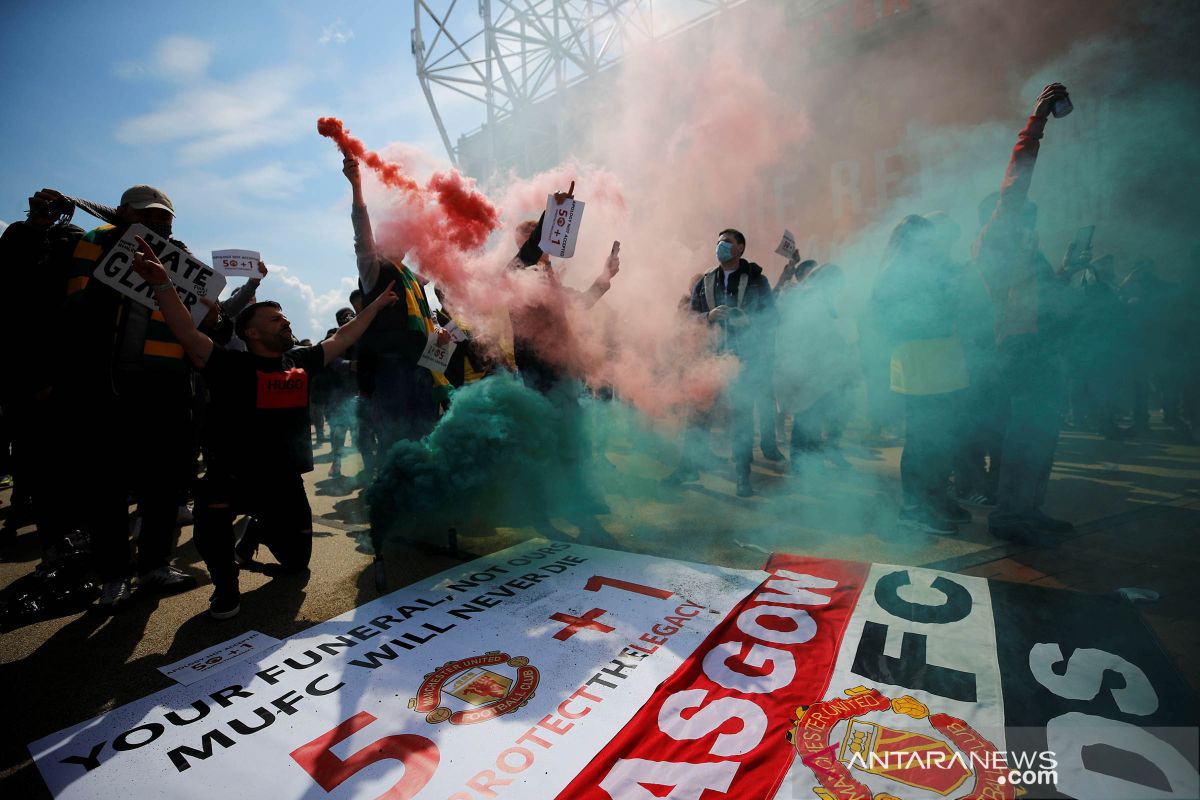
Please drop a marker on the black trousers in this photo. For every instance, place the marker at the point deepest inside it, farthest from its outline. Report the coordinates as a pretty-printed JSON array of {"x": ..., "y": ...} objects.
[
  {"x": 1031, "y": 380},
  {"x": 928, "y": 453},
  {"x": 138, "y": 437},
  {"x": 36, "y": 427},
  {"x": 281, "y": 520}
]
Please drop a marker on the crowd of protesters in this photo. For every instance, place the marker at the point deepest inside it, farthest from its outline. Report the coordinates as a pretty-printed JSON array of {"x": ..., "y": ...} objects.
[{"x": 115, "y": 403}]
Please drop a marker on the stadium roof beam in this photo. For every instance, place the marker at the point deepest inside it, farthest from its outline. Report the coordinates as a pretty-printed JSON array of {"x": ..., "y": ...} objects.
[{"x": 507, "y": 55}]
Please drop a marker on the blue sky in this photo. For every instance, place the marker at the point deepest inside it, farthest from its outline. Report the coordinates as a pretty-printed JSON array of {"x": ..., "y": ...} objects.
[{"x": 216, "y": 104}]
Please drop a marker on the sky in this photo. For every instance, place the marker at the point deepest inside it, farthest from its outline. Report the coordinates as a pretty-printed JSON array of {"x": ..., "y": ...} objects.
[{"x": 216, "y": 104}]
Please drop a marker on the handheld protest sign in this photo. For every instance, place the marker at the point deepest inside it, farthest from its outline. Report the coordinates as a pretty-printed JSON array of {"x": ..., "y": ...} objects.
[
  {"x": 560, "y": 230},
  {"x": 455, "y": 332},
  {"x": 436, "y": 357},
  {"x": 192, "y": 278},
  {"x": 787, "y": 245},
  {"x": 237, "y": 263}
]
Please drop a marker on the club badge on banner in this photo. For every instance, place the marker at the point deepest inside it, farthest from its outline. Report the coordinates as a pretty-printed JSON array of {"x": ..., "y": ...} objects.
[
  {"x": 553, "y": 670},
  {"x": 192, "y": 278}
]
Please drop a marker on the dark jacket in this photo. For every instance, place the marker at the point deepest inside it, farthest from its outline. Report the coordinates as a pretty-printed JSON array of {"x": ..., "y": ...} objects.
[
  {"x": 756, "y": 301},
  {"x": 33, "y": 279}
]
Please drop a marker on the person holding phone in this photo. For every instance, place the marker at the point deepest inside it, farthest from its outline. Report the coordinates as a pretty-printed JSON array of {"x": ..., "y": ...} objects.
[{"x": 736, "y": 301}]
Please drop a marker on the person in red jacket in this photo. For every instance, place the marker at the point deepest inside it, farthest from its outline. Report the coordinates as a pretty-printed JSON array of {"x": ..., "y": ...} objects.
[{"x": 1021, "y": 284}]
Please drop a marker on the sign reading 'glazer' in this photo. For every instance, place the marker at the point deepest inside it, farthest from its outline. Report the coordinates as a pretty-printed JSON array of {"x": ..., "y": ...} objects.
[{"x": 192, "y": 278}]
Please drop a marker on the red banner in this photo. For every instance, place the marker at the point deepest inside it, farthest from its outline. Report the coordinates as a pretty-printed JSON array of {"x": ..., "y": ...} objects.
[{"x": 720, "y": 722}]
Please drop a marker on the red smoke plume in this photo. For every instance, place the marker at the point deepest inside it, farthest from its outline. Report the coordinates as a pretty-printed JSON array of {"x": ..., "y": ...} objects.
[
  {"x": 442, "y": 221},
  {"x": 351, "y": 146}
]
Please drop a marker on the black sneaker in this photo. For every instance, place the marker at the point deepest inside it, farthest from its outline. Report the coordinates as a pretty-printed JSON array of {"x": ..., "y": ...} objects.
[
  {"x": 225, "y": 604},
  {"x": 115, "y": 595},
  {"x": 681, "y": 475},
  {"x": 744, "y": 489},
  {"x": 919, "y": 519},
  {"x": 166, "y": 580}
]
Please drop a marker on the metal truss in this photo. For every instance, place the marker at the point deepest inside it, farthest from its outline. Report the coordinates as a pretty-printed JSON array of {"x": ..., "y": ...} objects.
[{"x": 510, "y": 54}]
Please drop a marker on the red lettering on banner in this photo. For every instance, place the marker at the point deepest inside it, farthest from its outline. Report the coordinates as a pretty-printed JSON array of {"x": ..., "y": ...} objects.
[
  {"x": 716, "y": 723},
  {"x": 282, "y": 389},
  {"x": 577, "y": 624}
]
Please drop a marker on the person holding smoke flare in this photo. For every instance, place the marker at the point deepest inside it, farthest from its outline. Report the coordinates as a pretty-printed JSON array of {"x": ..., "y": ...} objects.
[
  {"x": 1021, "y": 283},
  {"x": 403, "y": 396}
]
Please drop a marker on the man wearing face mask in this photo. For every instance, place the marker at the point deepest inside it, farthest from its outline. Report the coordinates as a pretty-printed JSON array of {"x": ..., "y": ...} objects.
[
  {"x": 1021, "y": 283},
  {"x": 736, "y": 301},
  {"x": 128, "y": 370}
]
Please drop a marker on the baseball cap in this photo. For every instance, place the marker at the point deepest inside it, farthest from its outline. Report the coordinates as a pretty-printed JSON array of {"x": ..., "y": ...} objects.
[{"x": 143, "y": 196}]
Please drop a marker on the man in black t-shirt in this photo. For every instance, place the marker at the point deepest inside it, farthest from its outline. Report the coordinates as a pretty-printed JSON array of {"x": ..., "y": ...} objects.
[{"x": 259, "y": 447}]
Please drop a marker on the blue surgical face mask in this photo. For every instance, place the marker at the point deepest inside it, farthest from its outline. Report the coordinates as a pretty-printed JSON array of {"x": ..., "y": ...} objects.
[{"x": 724, "y": 251}]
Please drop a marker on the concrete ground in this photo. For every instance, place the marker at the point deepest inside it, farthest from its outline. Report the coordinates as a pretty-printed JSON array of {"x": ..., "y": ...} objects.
[{"x": 1136, "y": 505}]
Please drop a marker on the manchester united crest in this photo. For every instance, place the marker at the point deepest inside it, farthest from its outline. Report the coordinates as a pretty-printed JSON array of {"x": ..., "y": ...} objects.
[
  {"x": 895, "y": 746},
  {"x": 476, "y": 689}
]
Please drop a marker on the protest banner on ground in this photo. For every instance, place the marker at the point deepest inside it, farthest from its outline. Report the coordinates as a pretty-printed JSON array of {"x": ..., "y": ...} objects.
[
  {"x": 237, "y": 263},
  {"x": 192, "y": 278},
  {"x": 554, "y": 670},
  {"x": 560, "y": 227}
]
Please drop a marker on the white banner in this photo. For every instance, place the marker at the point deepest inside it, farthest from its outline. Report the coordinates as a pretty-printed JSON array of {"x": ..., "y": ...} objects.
[
  {"x": 502, "y": 678},
  {"x": 193, "y": 279},
  {"x": 560, "y": 227},
  {"x": 237, "y": 263}
]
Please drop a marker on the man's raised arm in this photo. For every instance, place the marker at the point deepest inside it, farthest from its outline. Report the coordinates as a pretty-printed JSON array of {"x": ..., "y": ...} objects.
[
  {"x": 364, "y": 238},
  {"x": 198, "y": 346},
  {"x": 1015, "y": 188}
]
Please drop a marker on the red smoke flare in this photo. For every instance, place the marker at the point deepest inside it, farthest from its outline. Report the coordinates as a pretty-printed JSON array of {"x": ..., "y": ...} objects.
[
  {"x": 389, "y": 173},
  {"x": 445, "y": 219}
]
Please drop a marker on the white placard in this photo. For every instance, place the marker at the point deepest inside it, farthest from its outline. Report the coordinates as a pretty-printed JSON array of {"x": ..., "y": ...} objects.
[
  {"x": 787, "y": 245},
  {"x": 560, "y": 228},
  {"x": 455, "y": 332},
  {"x": 237, "y": 263},
  {"x": 436, "y": 357},
  {"x": 250, "y": 645},
  {"x": 193, "y": 279}
]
